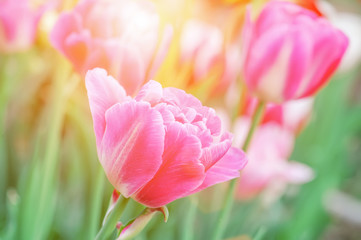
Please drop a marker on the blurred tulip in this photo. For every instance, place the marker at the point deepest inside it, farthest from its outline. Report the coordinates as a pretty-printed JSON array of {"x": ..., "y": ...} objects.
[
  {"x": 270, "y": 148},
  {"x": 292, "y": 115},
  {"x": 160, "y": 146},
  {"x": 203, "y": 45},
  {"x": 121, "y": 36},
  {"x": 289, "y": 52},
  {"x": 18, "y": 25}
]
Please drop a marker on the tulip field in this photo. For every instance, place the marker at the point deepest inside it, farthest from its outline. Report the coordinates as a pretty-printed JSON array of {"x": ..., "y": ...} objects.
[{"x": 180, "y": 119}]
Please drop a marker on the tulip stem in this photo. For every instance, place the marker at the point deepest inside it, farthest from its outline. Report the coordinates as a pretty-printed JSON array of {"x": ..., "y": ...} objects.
[
  {"x": 256, "y": 119},
  {"x": 228, "y": 202},
  {"x": 96, "y": 203},
  {"x": 188, "y": 228},
  {"x": 4, "y": 92},
  {"x": 112, "y": 218}
]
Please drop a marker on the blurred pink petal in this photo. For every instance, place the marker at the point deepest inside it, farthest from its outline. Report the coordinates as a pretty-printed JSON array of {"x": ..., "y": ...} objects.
[
  {"x": 203, "y": 45},
  {"x": 298, "y": 173},
  {"x": 350, "y": 24},
  {"x": 268, "y": 156}
]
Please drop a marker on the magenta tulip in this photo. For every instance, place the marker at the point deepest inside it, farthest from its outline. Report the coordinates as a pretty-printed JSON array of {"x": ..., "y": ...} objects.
[
  {"x": 160, "y": 146},
  {"x": 289, "y": 52}
]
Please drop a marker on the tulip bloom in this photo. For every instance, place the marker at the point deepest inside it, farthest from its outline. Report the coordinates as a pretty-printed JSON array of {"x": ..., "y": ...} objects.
[
  {"x": 160, "y": 146},
  {"x": 268, "y": 156},
  {"x": 289, "y": 52},
  {"x": 18, "y": 25},
  {"x": 119, "y": 35}
]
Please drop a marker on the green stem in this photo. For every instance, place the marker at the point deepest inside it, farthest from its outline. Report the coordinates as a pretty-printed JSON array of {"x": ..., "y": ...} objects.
[
  {"x": 3, "y": 159},
  {"x": 112, "y": 219},
  {"x": 189, "y": 220},
  {"x": 260, "y": 234},
  {"x": 256, "y": 119},
  {"x": 5, "y": 93},
  {"x": 227, "y": 206},
  {"x": 96, "y": 204}
]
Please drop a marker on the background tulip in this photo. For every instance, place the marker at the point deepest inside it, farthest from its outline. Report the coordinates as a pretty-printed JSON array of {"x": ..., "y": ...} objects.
[
  {"x": 268, "y": 156},
  {"x": 122, "y": 37},
  {"x": 18, "y": 24},
  {"x": 289, "y": 52},
  {"x": 203, "y": 46},
  {"x": 160, "y": 146}
]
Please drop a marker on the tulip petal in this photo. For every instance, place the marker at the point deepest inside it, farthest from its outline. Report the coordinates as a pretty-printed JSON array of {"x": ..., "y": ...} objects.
[
  {"x": 298, "y": 173},
  {"x": 132, "y": 146},
  {"x": 151, "y": 92},
  {"x": 131, "y": 72},
  {"x": 180, "y": 173},
  {"x": 213, "y": 122},
  {"x": 327, "y": 56},
  {"x": 180, "y": 98},
  {"x": 300, "y": 56},
  {"x": 67, "y": 24},
  {"x": 225, "y": 169},
  {"x": 76, "y": 50},
  {"x": 103, "y": 92},
  {"x": 211, "y": 154}
]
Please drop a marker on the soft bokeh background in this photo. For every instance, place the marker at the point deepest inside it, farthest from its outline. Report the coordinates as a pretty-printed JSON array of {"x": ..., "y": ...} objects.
[{"x": 47, "y": 140}]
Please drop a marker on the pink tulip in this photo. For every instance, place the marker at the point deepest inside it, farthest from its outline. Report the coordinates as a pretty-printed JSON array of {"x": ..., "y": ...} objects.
[
  {"x": 160, "y": 146},
  {"x": 119, "y": 35},
  {"x": 289, "y": 52},
  {"x": 203, "y": 45},
  {"x": 18, "y": 25},
  {"x": 268, "y": 156}
]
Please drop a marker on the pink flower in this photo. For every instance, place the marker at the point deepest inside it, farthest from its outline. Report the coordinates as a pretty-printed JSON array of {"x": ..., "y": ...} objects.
[
  {"x": 118, "y": 35},
  {"x": 289, "y": 52},
  {"x": 203, "y": 45},
  {"x": 18, "y": 25},
  {"x": 268, "y": 156},
  {"x": 160, "y": 146}
]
